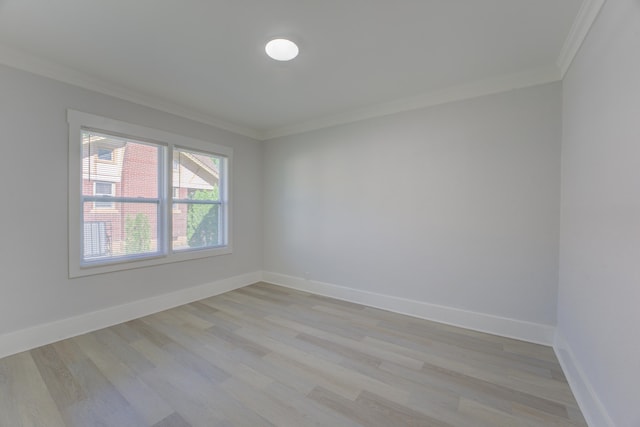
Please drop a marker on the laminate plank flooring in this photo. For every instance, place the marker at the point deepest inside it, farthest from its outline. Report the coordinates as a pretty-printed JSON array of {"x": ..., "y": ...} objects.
[{"x": 270, "y": 356}]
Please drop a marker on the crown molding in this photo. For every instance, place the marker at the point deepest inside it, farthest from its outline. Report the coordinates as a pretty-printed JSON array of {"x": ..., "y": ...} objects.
[
  {"x": 23, "y": 61},
  {"x": 39, "y": 66},
  {"x": 490, "y": 86},
  {"x": 581, "y": 25}
]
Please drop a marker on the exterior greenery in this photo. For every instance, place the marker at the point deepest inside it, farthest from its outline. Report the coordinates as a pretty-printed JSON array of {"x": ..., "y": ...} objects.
[
  {"x": 138, "y": 234},
  {"x": 202, "y": 220}
]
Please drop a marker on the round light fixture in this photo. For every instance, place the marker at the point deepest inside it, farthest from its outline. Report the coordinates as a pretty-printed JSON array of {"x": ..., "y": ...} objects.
[{"x": 281, "y": 49}]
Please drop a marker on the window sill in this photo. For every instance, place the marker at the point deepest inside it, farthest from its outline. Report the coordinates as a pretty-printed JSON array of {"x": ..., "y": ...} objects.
[{"x": 187, "y": 255}]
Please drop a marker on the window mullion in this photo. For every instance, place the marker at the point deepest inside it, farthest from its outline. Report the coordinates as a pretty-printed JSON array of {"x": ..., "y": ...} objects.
[
  {"x": 168, "y": 209},
  {"x": 163, "y": 183},
  {"x": 222, "y": 195}
]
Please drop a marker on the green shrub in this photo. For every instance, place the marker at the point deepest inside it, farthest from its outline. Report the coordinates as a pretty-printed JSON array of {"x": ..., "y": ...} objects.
[{"x": 138, "y": 232}]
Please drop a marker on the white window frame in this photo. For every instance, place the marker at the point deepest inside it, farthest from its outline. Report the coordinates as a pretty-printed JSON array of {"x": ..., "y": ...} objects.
[{"x": 79, "y": 122}]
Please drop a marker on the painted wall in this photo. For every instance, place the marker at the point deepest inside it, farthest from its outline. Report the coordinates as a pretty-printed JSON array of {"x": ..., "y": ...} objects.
[
  {"x": 34, "y": 284},
  {"x": 455, "y": 205},
  {"x": 599, "y": 292}
]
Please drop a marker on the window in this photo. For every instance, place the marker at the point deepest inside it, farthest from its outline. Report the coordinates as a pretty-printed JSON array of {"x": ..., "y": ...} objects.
[
  {"x": 166, "y": 196},
  {"x": 197, "y": 197},
  {"x": 102, "y": 189},
  {"x": 105, "y": 154}
]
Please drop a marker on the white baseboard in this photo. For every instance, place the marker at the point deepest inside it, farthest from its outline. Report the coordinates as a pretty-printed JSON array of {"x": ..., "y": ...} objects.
[
  {"x": 506, "y": 327},
  {"x": 36, "y": 336},
  {"x": 590, "y": 404}
]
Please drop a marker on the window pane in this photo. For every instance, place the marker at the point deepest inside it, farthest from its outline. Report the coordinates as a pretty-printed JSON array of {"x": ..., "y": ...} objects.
[
  {"x": 128, "y": 229},
  {"x": 133, "y": 168},
  {"x": 196, "y": 226},
  {"x": 197, "y": 175}
]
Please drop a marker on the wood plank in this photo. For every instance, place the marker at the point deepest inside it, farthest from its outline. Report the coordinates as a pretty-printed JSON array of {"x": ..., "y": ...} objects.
[
  {"x": 173, "y": 420},
  {"x": 151, "y": 407},
  {"x": 24, "y": 397},
  {"x": 62, "y": 386}
]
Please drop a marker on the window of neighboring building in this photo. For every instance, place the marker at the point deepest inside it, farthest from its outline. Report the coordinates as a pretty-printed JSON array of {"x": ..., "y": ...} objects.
[
  {"x": 102, "y": 189},
  {"x": 171, "y": 203},
  {"x": 105, "y": 154}
]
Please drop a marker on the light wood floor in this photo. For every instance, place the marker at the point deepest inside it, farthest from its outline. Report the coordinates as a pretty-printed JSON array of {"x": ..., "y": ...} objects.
[{"x": 270, "y": 356}]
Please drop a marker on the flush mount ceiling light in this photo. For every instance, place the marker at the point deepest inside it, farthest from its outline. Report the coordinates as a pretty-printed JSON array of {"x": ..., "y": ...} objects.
[{"x": 281, "y": 49}]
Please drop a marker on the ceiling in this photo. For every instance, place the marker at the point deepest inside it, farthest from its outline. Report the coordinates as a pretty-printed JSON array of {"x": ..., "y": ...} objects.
[{"x": 205, "y": 59}]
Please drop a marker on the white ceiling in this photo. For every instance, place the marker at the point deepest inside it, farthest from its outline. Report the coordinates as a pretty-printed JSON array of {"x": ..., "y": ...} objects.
[{"x": 206, "y": 58}]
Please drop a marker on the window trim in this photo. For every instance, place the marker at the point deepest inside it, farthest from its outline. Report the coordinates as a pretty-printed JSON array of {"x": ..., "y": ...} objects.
[{"x": 79, "y": 121}]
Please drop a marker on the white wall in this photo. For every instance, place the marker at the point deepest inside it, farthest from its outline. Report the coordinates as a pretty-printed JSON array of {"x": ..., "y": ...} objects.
[
  {"x": 599, "y": 295},
  {"x": 456, "y": 205},
  {"x": 34, "y": 284}
]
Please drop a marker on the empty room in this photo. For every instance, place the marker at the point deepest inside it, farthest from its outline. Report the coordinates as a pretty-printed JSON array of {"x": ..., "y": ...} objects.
[{"x": 320, "y": 213}]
